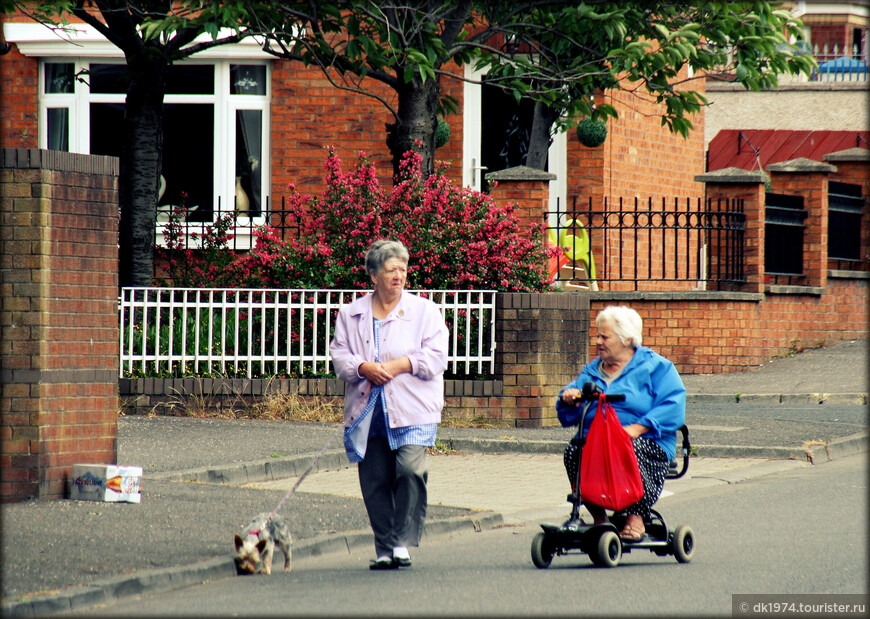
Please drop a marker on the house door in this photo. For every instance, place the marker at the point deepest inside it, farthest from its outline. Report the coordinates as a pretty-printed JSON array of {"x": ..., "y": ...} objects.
[{"x": 496, "y": 133}]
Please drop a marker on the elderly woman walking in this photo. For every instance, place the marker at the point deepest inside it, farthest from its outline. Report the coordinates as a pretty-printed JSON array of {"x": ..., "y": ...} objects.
[
  {"x": 390, "y": 348},
  {"x": 652, "y": 412}
]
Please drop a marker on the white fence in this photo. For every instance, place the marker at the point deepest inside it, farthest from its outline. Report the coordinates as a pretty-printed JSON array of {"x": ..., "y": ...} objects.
[{"x": 173, "y": 332}]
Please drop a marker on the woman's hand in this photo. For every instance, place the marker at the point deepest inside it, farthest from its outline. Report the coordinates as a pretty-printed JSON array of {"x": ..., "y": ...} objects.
[
  {"x": 381, "y": 373},
  {"x": 635, "y": 429},
  {"x": 376, "y": 373},
  {"x": 569, "y": 396}
]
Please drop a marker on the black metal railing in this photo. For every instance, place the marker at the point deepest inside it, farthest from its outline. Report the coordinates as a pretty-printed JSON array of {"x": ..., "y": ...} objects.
[
  {"x": 187, "y": 229},
  {"x": 193, "y": 224},
  {"x": 845, "y": 210},
  {"x": 641, "y": 241},
  {"x": 784, "y": 226}
]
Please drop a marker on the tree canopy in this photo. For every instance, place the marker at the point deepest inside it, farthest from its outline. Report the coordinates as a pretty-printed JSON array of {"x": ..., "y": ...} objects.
[{"x": 560, "y": 54}]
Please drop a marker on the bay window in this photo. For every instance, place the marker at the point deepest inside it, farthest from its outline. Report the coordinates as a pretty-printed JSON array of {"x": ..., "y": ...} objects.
[{"x": 216, "y": 138}]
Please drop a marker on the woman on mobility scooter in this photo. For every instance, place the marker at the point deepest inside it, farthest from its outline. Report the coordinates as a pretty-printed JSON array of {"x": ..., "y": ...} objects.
[{"x": 652, "y": 412}]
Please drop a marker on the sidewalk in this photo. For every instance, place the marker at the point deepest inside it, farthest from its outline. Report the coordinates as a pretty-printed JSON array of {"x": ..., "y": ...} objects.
[{"x": 61, "y": 555}]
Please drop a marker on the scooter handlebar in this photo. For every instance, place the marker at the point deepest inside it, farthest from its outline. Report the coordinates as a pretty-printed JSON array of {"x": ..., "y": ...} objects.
[{"x": 591, "y": 391}]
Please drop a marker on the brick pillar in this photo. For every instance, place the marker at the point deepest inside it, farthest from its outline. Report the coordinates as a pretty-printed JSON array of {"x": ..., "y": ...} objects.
[
  {"x": 527, "y": 187},
  {"x": 853, "y": 166},
  {"x": 809, "y": 179},
  {"x": 59, "y": 318},
  {"x": 737, "y": 184},
  {"x": 541, "y": 343}
]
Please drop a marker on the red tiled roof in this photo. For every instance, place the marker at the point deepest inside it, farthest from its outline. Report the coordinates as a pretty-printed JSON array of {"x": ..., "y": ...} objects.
[{"x": 729, "y": 149}]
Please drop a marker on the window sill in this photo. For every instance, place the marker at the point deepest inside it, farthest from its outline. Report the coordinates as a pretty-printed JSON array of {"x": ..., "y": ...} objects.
[
  {"x": 843, "y": 274},
  {"x": 816, "y": 291}
]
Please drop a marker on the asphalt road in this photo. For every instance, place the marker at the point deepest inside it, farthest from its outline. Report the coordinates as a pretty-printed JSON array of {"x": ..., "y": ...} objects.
[{"x": 798, "y": 531}]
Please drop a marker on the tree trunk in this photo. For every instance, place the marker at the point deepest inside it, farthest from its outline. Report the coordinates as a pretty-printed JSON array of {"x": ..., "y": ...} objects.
[
  {"x": 417, "y": 120},
  {"x": 539, "y": 140},
  {"x": 140, "y": 167}
]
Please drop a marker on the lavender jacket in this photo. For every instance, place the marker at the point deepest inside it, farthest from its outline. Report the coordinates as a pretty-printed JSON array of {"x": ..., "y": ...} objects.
[{"x": 414, "y": 329}]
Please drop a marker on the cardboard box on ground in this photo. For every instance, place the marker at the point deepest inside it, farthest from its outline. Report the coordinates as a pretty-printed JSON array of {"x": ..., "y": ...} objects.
[{"x": 106, "y": 482}]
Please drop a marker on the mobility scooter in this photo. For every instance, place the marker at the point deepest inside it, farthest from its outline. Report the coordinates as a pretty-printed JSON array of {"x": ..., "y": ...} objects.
[{"x": 602, "y": 542}]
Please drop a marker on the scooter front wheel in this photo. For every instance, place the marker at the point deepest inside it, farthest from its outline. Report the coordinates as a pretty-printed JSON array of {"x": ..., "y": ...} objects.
[
  {"x": 542, "y": 553},
  {"x": 608, "y": 550}
]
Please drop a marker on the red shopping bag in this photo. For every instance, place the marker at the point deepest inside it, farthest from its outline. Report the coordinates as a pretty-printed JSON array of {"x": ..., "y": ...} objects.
[{"x": 609, "y": 475}]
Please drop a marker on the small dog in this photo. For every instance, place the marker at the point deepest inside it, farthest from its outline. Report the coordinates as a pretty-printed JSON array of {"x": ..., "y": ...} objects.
[{"x": 256, "y": 545}]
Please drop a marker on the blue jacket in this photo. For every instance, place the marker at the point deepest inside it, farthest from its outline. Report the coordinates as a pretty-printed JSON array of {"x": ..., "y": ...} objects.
[{"x": 654, "y": 397}]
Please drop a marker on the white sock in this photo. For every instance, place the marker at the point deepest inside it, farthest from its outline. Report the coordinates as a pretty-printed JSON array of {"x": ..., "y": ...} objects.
[{"x": 401, "y": 552}]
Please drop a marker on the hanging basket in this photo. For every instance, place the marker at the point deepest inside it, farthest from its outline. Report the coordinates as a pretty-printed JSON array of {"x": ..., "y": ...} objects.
[
  {"x": 592, "y": 133},
  {"x": 442, "y": 133}
]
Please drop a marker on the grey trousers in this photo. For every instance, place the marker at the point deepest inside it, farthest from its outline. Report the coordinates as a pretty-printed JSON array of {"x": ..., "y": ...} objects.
[{"x": 393, "y": 485}]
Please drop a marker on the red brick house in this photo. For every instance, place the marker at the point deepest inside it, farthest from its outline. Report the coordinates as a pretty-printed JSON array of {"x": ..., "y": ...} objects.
[
  {"x": 233, "y": 106},
  {"x": 236, "y": 117}
]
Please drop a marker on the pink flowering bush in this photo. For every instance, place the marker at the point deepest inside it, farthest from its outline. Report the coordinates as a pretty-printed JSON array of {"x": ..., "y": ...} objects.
[{"x": 457, "y": 238}]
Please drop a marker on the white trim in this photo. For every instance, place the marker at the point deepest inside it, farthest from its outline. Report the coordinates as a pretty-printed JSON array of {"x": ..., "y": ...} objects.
[
  {"x": 471, "y": 133},
  {"x": 34, "y": 39},
  {"x": 557, "y": 163},
  {"x": 557, "y": 156},
  {"x": 830, "y": 8}
]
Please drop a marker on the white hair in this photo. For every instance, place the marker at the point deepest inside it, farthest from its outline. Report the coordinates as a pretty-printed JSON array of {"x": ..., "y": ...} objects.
[
  {"x": 627, "y": 324},
  {"x": 381, "y": 251}
]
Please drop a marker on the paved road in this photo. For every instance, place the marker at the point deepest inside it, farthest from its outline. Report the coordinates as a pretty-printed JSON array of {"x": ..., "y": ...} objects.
[{"x": 775, "y": 533}]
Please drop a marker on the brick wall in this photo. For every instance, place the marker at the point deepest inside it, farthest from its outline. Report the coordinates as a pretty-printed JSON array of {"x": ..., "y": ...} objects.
[
  {"x": 713, "y": 333},
  {"x": 830, "y": 30},
  {"x": 59, "y": 356},
  {"x": 640, "y": 158},
  {"x": 19, "y": 88},
  {"x": 309, "y": 114},
  {"x": 853, "y": 166},
  {"x": 808, "y": 179},
  {"x": 528, "y": 189}
]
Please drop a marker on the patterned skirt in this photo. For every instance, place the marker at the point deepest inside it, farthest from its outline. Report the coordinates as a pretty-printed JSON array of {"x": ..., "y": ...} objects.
[{"x": 652, "y": 462}]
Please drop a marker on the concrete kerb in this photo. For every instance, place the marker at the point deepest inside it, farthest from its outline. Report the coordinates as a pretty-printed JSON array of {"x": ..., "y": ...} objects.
[
  {"x": 261, "y": 470},
  {"x": 106, "y": 591},
  {"x": 839, "y": 447},
  {"x": 775, "y": 398}
]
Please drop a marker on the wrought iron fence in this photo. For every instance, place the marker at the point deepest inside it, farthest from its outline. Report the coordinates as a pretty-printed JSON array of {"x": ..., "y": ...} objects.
[
  {"x": 192, "y": 225},
  {"x": 642, "y": 241},
  {"x": 174, "y": 332},
  {"x": 845, "y": 211}
]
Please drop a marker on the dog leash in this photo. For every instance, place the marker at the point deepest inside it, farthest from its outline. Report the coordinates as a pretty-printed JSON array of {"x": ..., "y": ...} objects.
[
  {"x": 312, "y": 465},
  {"x": 306, "y": 472}
]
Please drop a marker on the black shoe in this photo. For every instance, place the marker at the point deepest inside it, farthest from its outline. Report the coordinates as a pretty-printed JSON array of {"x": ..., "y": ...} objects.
[
  {"x": 384, "y": 563},
  {"x": 402, "y": 562}
]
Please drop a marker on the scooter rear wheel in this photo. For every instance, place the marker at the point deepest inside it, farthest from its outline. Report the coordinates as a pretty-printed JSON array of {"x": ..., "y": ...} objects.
[
  {"x": 542, "y": 553},
  {"x": 683, "y": 543}
]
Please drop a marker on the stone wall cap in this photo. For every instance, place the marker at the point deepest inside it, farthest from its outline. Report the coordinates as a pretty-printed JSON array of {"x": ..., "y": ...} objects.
[
  {"x": 60, "y": 161},
  {"x": 850, "y": 154},
  {"x": 732, "y": 175},
  {"x": 520, "y": 173},
  {"x": 801, "y": 164}
]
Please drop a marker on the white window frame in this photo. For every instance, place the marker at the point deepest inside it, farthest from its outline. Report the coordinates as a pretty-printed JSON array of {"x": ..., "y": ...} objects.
[
  {"x": 83, "y": 46},
  {"x": 472, "y": 136}
]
